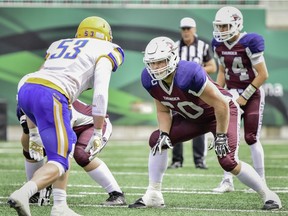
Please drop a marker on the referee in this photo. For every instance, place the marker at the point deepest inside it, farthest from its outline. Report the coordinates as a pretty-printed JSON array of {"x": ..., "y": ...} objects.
[{"x": 191, "y": 48}]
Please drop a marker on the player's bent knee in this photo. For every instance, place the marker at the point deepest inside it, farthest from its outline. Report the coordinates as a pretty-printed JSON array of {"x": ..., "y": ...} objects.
[
  {"x": 250, "y": 138},
  {"x": 81, "y": 157},
  {"x": 153, "y": 138},
  {"x": 227, "y": 164},
  {"x": 60, "y": 167}
]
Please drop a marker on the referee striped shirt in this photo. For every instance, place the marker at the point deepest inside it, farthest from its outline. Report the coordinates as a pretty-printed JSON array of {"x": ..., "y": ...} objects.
[{"x": 198, "y": 51}]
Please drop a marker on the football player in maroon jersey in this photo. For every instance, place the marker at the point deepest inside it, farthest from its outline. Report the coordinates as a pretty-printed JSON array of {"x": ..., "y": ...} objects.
[
  {"x": 242, "y": 70},
  {"x": 199, "y": 106}
]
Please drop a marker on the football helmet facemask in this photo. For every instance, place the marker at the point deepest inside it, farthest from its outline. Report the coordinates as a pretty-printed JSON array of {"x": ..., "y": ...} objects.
[
  {"x": 161, "y": 49},
  {"x": 230, "y": 16},
  {"x": 94, "y": 27}
]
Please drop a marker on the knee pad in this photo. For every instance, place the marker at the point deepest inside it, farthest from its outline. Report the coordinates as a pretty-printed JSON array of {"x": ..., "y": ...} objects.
[
  {"x": 153, "y": 138},
  {"x": 250, "y": 138},
  {"x": 227, "y": 163},
  {"x": 81, "y": 157}
]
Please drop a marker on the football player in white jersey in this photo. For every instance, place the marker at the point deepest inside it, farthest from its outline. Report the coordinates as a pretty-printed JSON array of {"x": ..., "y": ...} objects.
[
  {"x": 72, "y": 66},
  {"x": 82, "y": 123}
]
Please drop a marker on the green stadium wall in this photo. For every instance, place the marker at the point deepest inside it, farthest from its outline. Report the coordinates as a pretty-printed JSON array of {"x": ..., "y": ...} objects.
[{"x": 26, "y": 33}]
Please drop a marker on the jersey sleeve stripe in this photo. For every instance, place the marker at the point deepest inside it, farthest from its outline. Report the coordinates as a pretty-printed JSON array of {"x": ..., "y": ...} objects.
[{"x": 116, "y": 57}]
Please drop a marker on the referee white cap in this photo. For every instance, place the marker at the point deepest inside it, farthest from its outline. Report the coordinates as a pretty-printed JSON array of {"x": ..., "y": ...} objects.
[{"x": 187, "y": 22}]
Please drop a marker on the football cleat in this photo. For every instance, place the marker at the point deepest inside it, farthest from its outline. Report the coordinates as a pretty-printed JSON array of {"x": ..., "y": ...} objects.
[
  {"x": 226, "y": 185},
  {"x": 271, "y": 205},
  {"x": 42, "y": 198},
  {"x": 151, "y": 198},
  {"x": 62, "y": 210},
  {"x": 272, "y": 202},
  {"x": 175, "y": 165},
  {"x": 19, "y": 203},
  {"x": 138, "y": 204},
  {"x": 201, "y": 165},
  {"x": 115, "y": 198},
  {"x": 34, "y": 199}
]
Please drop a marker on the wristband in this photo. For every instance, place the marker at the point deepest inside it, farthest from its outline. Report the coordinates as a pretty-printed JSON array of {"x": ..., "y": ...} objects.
[
  {"x": 221, "y": 135},
  {"x": 164, "y": 133},
  {"x": 249, "y": 91},
  {"x": 98, "y": 132},
  {"x": 33, "y": 130}
]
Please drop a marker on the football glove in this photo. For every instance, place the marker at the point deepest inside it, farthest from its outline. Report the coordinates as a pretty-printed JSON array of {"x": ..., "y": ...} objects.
[
  {"x": 95, "y": 144},
  {"x": 221, "y": 145},
  {"x": 162, "y": 141},
  {"x": 35, "y": 145}
]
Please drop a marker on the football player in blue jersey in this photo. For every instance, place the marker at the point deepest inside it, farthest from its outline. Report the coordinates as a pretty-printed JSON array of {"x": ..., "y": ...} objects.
[
  {"x": 199, "y": 106},
  {"x": 82, "y": 123},
  {"x": 242, "y": 70}
]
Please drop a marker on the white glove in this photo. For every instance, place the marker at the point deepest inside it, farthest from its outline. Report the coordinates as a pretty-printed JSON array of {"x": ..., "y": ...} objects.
[
  {"x": 162, "y": 141},
  {"x": 35, "y": 145},
  {"x": 221, "y": 145},
  {"x": 95, "y": 144}
]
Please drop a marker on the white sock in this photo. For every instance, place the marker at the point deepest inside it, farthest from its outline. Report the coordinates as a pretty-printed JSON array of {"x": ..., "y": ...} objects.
[
  {"x": 257, "y": 155},
  {"x": 103, "y": 176},
  {"x": 31, "y": 168},
  {"x": 59, "y": 196},
  {"x": 157, "y": 166},
  {"x": 29, "y": 189},
  {"x": 250, "y": 177},
  {"x": 228, "y": 175}
]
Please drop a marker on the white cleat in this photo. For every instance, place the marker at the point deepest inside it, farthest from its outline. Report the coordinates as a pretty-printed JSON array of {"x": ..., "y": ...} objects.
[
  {"x": 62, "y": 210},
  {"x": 20, "y": 203},
  {"x": 226, "y": 185},
  {"x": 151, "y": 199},
  {"x": 272, "y": 202}
]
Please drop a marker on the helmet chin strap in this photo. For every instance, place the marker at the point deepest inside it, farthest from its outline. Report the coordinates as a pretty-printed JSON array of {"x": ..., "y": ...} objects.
[{"x": 169, "y": 78}]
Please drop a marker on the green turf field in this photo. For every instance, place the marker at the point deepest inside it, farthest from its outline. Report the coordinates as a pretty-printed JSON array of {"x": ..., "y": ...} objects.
[{"x": 186, "y": 191}]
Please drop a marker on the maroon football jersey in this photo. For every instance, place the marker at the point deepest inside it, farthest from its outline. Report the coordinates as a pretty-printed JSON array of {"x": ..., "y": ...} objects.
[{"x": 236, "y": 59}]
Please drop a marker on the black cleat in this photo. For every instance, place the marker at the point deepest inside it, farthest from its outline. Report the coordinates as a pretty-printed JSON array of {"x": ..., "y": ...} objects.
[
  {"x": 175, "y": 165},
  {"x": 138, "y": 204},
  {"x": 271, "y": 205},
  {"x": 42, "y": 198},
  {"x": 115, "y": 198},
  {"x": 34, "y": 199},
  {"x": 201, "y": 166}
]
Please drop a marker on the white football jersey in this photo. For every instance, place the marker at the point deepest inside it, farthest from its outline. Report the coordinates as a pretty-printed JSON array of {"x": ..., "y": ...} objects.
[{"x": 70, "y": 64}]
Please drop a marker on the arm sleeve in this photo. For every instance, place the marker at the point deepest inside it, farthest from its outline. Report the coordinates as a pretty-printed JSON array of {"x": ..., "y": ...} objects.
[
  {"x": 198, "y": 81},
  {"x": 256, "y": 48},
  {"x": 102, "y": 76}
]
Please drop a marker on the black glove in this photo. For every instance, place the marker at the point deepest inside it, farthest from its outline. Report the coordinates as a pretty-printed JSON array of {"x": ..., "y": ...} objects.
[
  {"x": 221, "y": 145},
  {"x": 163, "y": 140}
]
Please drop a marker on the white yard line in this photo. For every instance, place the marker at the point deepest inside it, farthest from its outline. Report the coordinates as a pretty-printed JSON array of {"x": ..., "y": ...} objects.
[
  {"x": 181, "y": 208},
  {"x": 146, "y": 174}
]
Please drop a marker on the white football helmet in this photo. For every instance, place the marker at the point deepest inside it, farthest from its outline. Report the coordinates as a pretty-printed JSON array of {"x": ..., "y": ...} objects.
[
  {"x": 159, "y": 49},
  {"x": 230, "y": 16}
]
